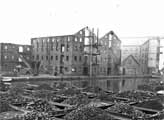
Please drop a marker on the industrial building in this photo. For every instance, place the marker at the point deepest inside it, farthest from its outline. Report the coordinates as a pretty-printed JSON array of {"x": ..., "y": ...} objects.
[
  {"x": 110, "y": 54},
  {"x": 131, "y": 66},
  {"x": 13, "y": 56},
  {"x": 82, "y": 53},
  {"x": 150, "y": 52},
  {"x": 147, "y": 55}
]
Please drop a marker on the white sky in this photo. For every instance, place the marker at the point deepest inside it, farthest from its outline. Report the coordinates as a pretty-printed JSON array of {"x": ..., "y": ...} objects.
[{"x": 21, "y": 20}]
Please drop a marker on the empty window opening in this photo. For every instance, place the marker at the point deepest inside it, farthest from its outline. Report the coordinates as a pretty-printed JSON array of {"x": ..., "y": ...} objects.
[
  {"x": 75, "y": 39},
  {"x": 75, "y": 58},
  {"x": 20, "y": 49},
  {"x": 86, "y": 42},
  {"x": 85, "y": 58},
  {"x": 68, "y": 39},
  {"x": 6, "y": 47},
  {"x": 81, "y": 32},
  {"x": 5, "y": 57},
  {"x": 28, "y": 49},
  {"x": 87, "y": 32},
  {"x": 46, "y": 57},
  {"x": 80, "y": 39},
  {"x": 56, "y": 57},
  {"x": 67, "y": 58},
  {"x": 51, "y": 57},
  {"x": 53, "y": 39},
  {"x": 19, "y": 59},
  {"x": 62, "y": 48},
  {"x": 62, "y": 59}
]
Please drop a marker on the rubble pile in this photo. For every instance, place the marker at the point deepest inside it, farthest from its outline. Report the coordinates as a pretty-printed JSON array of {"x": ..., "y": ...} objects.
[
  {"x": 88, "y": 113},
  {"x": 126, "y": 109},
  {"x": 137, "y": 95},
  {"x": 39, "y": 106},
  {"x": 34, "y": 116},
  {"x": 71, "y": 103}
]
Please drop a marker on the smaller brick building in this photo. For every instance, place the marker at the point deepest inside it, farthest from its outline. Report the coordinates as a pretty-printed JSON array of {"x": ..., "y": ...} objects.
[{"x": 131, "y": 66}]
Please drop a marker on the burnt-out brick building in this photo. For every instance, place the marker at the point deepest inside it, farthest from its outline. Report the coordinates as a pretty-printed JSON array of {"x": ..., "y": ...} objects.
[
  {"x": 75, "y": 54},
  {"x": 13, "y": 55},
  {"x": 60, "y": 54},
  {"x": 110, "y": 54}
]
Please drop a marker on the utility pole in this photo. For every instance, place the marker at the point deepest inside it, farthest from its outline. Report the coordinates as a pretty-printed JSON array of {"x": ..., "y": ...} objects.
[{"x": 90, "y": 55}]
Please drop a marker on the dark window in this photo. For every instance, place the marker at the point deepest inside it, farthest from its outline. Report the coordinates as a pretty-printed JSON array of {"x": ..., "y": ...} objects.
[
  {"x": 37, "y": 45},
  {"x": 42, "y": 57},
  {"x": 67, "y": 58},
  {"x": 56, "y": 57},
  {"x": 62, "y": 59},
  {"x": 37, "y": 57},
  {"x": 51, "y": 57},
  {"x": 51, "y": 44},
  {"x": 56, "y": 45},
  {"x": 46, "y": 57},
  {"x": 42, "y": 48},
  {"x": 75, "y": 58}
]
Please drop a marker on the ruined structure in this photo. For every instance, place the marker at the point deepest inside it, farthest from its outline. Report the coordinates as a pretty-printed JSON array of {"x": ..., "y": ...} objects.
[
  {"x": 131, "y": 66},
  {"x": 110, "y": 54},
  {"x": 13, "y": 56},
  {"x": 81, "y": 53},
  {"x": 146, "y": 54}
]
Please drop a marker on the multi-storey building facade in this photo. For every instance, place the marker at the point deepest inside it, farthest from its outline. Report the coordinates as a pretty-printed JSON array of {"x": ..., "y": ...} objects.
[
  {"x": 147, "y": 55},
  {"x": 76, "y": 54},
  {"x": 150, "y": 52},
  {"x": 11, "y": 54},
  {"x": 110, "y": 54},
  {"x": 61, "y": 54}
]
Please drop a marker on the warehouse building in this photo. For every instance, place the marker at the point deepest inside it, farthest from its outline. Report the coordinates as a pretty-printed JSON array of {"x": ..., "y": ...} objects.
[
  {"x": 110, "y": 54},
  {"x": 76, "y": 54}
]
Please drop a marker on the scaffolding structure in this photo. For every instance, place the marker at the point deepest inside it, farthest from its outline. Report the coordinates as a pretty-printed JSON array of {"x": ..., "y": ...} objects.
[{"x": 92, "y": 53}]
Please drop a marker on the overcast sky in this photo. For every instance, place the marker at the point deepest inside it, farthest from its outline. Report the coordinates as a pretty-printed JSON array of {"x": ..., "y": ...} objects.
[{"x": 24, "y": 19}]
